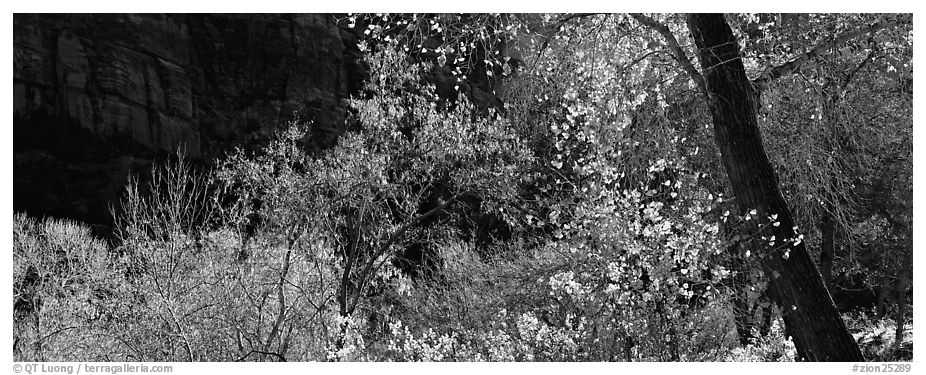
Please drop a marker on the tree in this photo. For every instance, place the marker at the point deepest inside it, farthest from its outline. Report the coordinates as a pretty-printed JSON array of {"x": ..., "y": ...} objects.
[
  {"x": 392, "y": 182},
  {"x": 733, "y": 100},
  {"x": 828, "y": 108},
  {"x": 808, "y": 310}
]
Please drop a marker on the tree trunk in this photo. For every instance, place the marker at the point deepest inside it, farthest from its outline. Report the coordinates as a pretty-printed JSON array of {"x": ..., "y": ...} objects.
[
  {"x": 837, "y": 146},
  {"x": 883, "y": 298},
  {"x": 827, "y": 249},
  {"x": 742, "y": 313},
  {"x": 628, "y": 348},
  {"x": 807, "y": 308},
  {"x": 742, "y": 316},
  {"x": 903, "y": 281},
  {"x": 766, "y": 326}
]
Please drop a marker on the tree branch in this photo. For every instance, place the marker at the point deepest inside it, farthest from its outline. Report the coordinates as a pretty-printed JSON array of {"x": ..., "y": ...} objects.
[
  {"x": 365, "y": 273},
  {"x": 848, "y": 78},
  {"x": 677, "y": 52},
  {"x": 350, "y": 259},
  {"x": 762, "y": 82},
  {"x": 559, "y": 24},
  {"x": 253, "y": 351}
]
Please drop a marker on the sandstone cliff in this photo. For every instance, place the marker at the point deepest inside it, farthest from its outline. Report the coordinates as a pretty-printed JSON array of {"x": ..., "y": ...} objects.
[{"x": 97, "y": 97}]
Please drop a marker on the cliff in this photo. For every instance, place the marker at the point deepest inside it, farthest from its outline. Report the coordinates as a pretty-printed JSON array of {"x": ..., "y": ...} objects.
[{"x": 99, "y": 96}]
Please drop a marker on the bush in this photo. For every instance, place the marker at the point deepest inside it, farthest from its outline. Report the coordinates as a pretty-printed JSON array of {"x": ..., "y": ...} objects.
[
  {"x": 877, "y": 337},
  {"x": 66, "y": 287},
  {"x": 776, "y": 347}
]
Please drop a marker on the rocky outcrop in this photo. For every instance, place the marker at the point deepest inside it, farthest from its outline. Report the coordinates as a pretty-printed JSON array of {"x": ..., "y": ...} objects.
[{"x": 98, "y": 96}]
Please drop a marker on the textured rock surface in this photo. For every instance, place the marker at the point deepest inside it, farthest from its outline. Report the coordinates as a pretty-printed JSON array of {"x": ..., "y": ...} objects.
[{"x": 97, "y": 97}]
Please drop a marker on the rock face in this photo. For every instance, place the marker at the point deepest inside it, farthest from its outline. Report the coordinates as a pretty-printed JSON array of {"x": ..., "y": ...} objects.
[{"x": 99, "y": 96}]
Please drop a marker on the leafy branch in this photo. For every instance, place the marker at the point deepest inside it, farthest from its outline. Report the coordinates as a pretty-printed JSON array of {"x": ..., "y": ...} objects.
[
  {"x": 676, "y": 49},
  {"x": 762, "y": 82}
]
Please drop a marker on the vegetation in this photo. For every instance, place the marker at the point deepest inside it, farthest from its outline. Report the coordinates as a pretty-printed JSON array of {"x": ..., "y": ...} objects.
[{"x": 632, "y": 193}]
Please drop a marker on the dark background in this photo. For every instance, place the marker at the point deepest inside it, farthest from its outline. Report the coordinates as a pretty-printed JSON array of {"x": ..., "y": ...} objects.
[{"x": 98, "y": 97}]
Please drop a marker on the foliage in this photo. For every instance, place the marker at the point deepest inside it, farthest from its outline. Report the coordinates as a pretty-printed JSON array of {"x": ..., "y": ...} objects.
[
  {"x": 775, "y": 347},
  {"x": 877, "y": 339},
  {"x": 64, "y": 281},
  {"x": 838, "y": 172},
  {"x": 585, "y": 218}
]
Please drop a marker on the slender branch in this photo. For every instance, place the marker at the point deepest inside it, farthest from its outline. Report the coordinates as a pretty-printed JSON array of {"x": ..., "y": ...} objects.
[
  {"x": 365, "y": 273},
  {"x": 255, "y": 351},
  {"x": 46, "y": 337},
  {"x": 571, "y": 17},
  {"x": 401, "y": 232},
  {"x": 810, "y": 84},
  {"x": 762, "y": 82},
  {"x": 351, "y": 259},
  {"x": 559, "y": 24},
  {"x": 848, "y": 78},
  {"x": 281, "y": 292},
  {"x": 641, "y": 58},
  {"x": 677, "y": 52}
]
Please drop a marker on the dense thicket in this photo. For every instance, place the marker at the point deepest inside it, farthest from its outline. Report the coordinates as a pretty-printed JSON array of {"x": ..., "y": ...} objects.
[{"x": 541, "y": 187}]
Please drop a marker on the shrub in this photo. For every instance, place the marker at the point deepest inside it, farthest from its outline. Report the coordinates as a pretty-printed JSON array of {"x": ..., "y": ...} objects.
[{"x": 66, "y": 287}]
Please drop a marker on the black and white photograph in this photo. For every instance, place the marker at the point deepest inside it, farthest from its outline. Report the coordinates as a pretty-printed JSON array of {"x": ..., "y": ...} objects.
[{"x": 461, "y": 187}]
